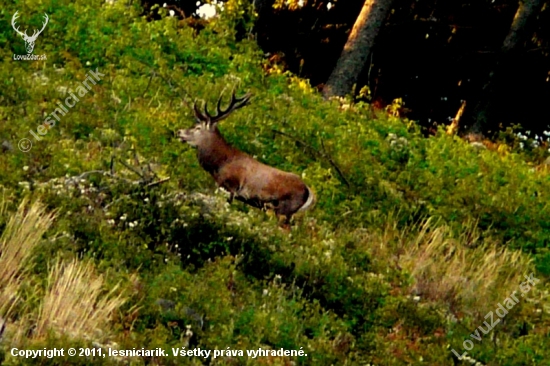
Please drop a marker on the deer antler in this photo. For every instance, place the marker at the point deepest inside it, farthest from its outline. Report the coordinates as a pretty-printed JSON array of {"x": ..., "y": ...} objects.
[
  {"x": 25, "y": 35},
  {"x": 15, "y": 16},
  {"x": 198, "y": 114},
  {"x": 234, "y": 104},
  {"x": 36, "y": 33}
]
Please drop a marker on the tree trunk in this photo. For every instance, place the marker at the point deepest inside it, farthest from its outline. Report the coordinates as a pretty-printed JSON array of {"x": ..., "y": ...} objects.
[
  {"x": 485, "y": 107},
  {"x": 357, "y": 48},
  {"x": 527, "y": 9}
]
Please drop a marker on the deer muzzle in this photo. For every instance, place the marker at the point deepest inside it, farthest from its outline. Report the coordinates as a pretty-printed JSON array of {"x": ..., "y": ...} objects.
[{"x": 183, "y": 135}]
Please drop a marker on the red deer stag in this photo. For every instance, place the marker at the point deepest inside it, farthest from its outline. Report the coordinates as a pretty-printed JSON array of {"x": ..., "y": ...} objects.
[{"x": 245, "y": 178}]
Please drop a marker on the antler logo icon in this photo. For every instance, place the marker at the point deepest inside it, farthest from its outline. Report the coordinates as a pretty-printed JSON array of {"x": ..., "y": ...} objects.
[{"x": 29, "y": 41}]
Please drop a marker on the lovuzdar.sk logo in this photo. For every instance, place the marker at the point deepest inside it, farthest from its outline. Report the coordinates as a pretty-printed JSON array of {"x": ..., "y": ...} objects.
[{"x": 29, "y": 40}]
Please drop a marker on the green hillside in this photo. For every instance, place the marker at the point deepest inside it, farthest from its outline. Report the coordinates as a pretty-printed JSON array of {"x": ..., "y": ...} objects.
[{"x": 114, "y": 237}]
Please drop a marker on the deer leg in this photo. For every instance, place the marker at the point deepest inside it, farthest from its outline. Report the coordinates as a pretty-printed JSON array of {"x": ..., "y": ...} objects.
[
  {"x": 270, "y": 206},
  {"x": 283, "y": 220},
  {"x": 231, "y": 186},
  {"x": 287, "y": 220},
  {"x": 285, "y": 224}
]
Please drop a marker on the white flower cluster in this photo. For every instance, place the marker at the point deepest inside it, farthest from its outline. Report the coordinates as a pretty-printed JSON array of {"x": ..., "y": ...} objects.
[
  {"x": 207, "y": 11},
  {"x": 397, "y": 142}
]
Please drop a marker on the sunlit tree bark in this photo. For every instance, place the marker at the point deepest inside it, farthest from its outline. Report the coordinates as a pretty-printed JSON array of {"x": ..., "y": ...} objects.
[
  {"x": 526, "y": 11},
  {"x": 357, "y": 48},
  {"x": 512, "y": 43}
]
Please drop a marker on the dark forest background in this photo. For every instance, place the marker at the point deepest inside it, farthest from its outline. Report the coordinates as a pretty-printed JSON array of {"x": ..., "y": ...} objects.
[{"x": 433, "y": 54}]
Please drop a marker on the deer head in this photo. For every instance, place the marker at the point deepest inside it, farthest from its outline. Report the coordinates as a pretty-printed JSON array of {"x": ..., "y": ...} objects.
[
  {"x": 245, "y": 178},
  {"x": 205, "y": 130},
  {"x": 29, "y": 41}
]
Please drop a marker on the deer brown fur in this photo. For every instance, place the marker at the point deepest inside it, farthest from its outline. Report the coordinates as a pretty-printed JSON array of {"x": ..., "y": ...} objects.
[{"x": 245, "y": 178}]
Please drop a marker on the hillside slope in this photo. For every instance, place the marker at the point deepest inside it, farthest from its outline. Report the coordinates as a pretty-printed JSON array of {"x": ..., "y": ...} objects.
[{"x": 412, "y": 242}]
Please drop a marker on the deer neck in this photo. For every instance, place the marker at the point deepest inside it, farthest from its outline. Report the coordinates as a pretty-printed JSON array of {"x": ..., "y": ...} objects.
[{"x": 215, "y": 153}]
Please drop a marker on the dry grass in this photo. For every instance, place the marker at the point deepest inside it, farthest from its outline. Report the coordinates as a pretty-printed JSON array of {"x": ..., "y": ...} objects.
[
  {"x": 466, "y": 273},
  {"x": 75, "y": 303},
  {"x": 21, "y": 235}
]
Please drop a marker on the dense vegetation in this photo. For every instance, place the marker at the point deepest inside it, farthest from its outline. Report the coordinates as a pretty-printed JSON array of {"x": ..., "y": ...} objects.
[{"x": 412, "y": 242}]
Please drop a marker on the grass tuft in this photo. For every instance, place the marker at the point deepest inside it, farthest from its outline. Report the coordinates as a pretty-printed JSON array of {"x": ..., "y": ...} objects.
[
  {"x": 75, "y": 303},
  {"x": 21, "y": 235},
  {"x": 464, "y": 272}
]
